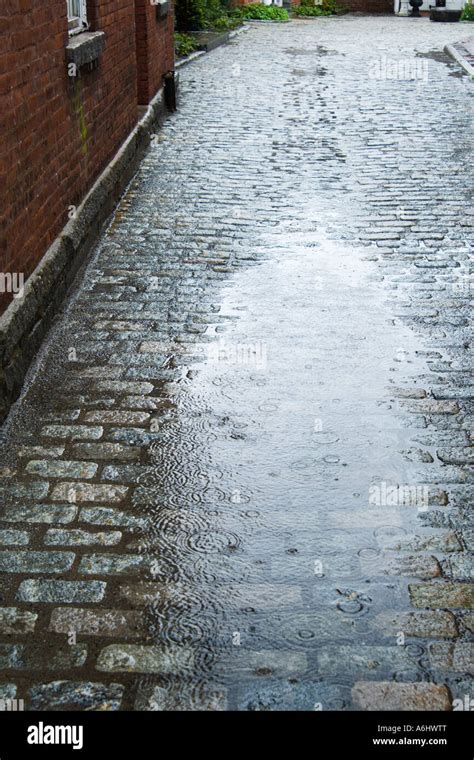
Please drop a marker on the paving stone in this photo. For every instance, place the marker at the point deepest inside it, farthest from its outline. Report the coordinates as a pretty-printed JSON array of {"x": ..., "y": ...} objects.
[
  {"x": 443, "y": 541},
  {"x": 458, "y": 657},
  {"x": 264, "y": 596},
  {"x": 456, "y": 456},
  {"x": 10, "y": 656},
  {"x": 73, "y": 432},
  {"x": 113, "y": 517},
  {"x": 61, "y": 469},
  {"x": 58, "y": 537},
  {"x": 118, "y": 418},
  {"x": 414, "y": 565},
  {"x": 459, "y": 567},
  {"x": 436, "y": 624},
  {"x": 132, "y": 436},
  {"x": 468, "y": 622},
  {"x": 171, "y": 277},
  {"x": 44, "y": 452},
  {"x": 112, "y": 564},
  {"x": 55, "y": 591},
  {"x": 124, "y": 387},
  {"x": 14, "y": 620},
  {"x": 383, "y": 695},
  {"x": 79, "y": 492},
  {"x": 442, "y": 595},
  {"x": 14, "y": 537},
  {"x": 125, "y": 473},
  {"x": 133, "y": 658},
  {"x": 244, "y": 663},
  {"x": 41, "y": 513},
  {"x": 127, "y": 624},
  {"x": 146, "y": 593},
  {"x": 107, "y": 451},
  {"x": 159, "y": 699},
  {"x": 369, "y": 661},
  {"x": 431, "y": 406},
  {"x": 8, "y": 691},
  {"x": 75, "y": 695},
  {"x": 34, "y": 657},
  {"x": 140, "y": 402},
  {"x": 28, "y": 490},
  {"x": 407, "y": 392},
  {"x": 35, "y": 562}
]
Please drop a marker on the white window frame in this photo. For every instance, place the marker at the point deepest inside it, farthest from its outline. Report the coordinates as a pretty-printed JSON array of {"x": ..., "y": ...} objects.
[{"x": 77, "y": 16}]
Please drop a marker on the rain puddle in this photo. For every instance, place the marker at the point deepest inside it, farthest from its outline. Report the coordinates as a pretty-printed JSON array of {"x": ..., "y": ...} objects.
[{"x": 267, "y": 534}]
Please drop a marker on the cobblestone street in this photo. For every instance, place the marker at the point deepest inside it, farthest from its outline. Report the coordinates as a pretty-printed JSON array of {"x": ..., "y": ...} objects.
[{"x": 240, "y": 472}]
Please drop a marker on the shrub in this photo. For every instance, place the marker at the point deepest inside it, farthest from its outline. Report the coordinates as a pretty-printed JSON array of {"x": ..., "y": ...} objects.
[
  {"x": 325, "y": 8},
  {"x": 184, "y": 44},
  {"x": 468, "y": 12},
  {"x": 190, "y": 15},
  {"x": 263, "y": 12},
  {"x": 198, "y": 15}
]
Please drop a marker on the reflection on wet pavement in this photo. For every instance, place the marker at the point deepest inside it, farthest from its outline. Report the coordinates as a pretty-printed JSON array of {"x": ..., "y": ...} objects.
[{"x": 239, "y": 473}]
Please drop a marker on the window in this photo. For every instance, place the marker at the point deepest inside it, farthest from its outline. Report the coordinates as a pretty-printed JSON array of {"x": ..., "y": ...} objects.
[{"x": 76, "y": 16}]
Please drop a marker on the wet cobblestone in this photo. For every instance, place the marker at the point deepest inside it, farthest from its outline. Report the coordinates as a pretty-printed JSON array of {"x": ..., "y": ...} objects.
[{"x": 241, "y": 469}]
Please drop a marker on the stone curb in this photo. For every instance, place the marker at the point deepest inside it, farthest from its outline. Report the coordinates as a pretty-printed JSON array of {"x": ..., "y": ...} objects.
[
  {"x": 199, "y": 53},
  {"x": 26, "y": 320},
  {"x": 462, "y": 54}
]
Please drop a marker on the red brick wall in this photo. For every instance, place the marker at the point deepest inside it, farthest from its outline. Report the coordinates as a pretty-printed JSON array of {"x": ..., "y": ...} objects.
[
  {"x": 58, "y": 133},
  {"x": 155, "y": 50}
]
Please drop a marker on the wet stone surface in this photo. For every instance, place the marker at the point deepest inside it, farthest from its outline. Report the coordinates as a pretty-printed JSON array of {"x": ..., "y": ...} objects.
[{"x": 241, "y": 471}]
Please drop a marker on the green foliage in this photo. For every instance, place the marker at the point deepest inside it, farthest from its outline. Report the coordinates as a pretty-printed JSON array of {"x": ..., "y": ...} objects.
[
  {"x": 263, "y": 12},
  {"x": 200, "y": 15},
  {"x": 310, "y": 10},
  {"x": 184, "y": 44},
  {"x": 468, "y": 12},
  {"x": 190, "y": 15},
  {"x": 223, "y": 23},
  {"x": 325, "y": 8}
]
